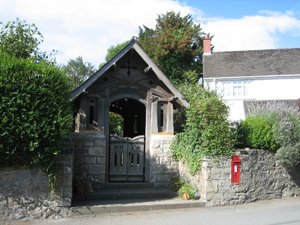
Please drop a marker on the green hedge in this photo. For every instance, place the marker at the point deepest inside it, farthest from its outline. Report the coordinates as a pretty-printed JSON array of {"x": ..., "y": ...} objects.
[
  {"x": 257, "y": 132},
  {"x": 34, "y": 110}
]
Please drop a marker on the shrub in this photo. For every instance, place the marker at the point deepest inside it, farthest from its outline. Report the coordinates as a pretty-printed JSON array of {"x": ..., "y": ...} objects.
[
  {"x": 274, "y": 126},
  {"x": 188, "y": 189},
  {"x": 35, "y": 112},
  {"x": 289, "y": 155},
  {"x": 257, "y": 132},
  {"x": 287, "y": 129},
  {"x": 206, "y": 131},
  {"x": 181, "y": 186}
]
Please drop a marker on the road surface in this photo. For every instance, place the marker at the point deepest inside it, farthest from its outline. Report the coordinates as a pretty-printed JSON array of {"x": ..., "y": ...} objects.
[{"x": 270, "y": 212}]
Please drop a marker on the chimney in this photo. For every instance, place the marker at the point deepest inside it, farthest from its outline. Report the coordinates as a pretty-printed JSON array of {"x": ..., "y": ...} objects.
[{"x": 206, "y": 45}]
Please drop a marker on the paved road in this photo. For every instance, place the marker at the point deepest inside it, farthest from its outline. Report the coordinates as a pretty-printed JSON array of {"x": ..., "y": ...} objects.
[{"x": 274, "y": 212}]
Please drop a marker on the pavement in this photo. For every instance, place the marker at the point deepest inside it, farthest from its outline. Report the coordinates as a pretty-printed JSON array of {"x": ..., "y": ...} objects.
[
  {"x": 269, "y": 212},
  {"x": 127, "y": 206}
]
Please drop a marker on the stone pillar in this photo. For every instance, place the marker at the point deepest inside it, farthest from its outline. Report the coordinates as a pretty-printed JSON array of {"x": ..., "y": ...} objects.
[
  {"x": 162, "y": 166},
  {"x": 90, "y": 157}
]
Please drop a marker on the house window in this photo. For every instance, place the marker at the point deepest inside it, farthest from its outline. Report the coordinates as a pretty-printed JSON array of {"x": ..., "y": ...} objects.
[{"x": 233, "y": 89}]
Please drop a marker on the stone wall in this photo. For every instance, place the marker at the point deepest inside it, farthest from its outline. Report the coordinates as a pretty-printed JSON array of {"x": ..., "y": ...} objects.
[
  {"x": 89, "y": 157},
  {"x": 25, "y": 193},
  {"x": 162, "y": 167},
  {"x": 64, "y": 175},
  {"x": 262, "y": 177}
]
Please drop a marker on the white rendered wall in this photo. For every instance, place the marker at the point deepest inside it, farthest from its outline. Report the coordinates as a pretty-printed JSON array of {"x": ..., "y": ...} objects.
[
  {"x": 258, "y": 88},
  {"x": 274, "y": 89}
]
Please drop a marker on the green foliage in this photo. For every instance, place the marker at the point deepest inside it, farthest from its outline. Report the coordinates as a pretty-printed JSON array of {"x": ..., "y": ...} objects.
[
  {"x": 22, "y": 40},
  {"x": 116, "y": 124},
  {"x": 207, "y": 131},
  {"x": 287, "y": 129},
  {"x": 273, "y": 126},
  {"x": 114, "y": 50},
  {"x": 175, "y": 45},
  {"x": 287, "y": 134},
  {"x": 257, "y": 132},
  {"x": 35, "y": 112},
  {"x": 188, "y": 189},
  {"x": 78, "y": 71},
  {"x": 181, "y": 186},
  {"x": 289, "y": 155}
]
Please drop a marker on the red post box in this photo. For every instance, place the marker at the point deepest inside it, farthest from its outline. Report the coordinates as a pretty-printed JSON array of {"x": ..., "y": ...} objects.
[{"x": 235, "y": 169}]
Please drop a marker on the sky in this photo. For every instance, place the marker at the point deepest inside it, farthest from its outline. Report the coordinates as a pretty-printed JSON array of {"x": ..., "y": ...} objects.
[{"x": 88, "y": 28}]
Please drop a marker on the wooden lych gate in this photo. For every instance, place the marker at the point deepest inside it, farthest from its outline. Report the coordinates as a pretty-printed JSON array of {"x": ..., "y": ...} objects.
[{"x": 131, "y": 85}]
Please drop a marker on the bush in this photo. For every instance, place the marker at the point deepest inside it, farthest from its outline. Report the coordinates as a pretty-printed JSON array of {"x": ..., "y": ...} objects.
[
  {"x": 273, "y": 126},
  {"x": 189, "y": 190},
  {"x": 181, "y": 186},
  {"x": 257, "y": 132},
  {"x": 206, "y": 131},
  {"x": 287, "y": 129},
  {"x": 289, "y": 155},
  {"x": 35, "y": 112}
]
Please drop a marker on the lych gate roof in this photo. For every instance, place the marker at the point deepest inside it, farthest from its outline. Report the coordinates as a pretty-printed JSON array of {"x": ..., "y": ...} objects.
[
  {"x": 252, "y": 63},
  {"x": 151, "y": 65}
]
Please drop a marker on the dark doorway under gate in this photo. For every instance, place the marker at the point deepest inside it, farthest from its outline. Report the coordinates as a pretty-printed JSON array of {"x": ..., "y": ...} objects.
[{"x": 127, "y": 153}]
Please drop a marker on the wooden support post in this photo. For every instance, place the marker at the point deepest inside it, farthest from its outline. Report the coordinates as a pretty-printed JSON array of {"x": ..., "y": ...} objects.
[
  {"x": 83, "y": 114},
  {"x": 101, "y": 114},
  {"x": 170, "y": 122},
  {"x": 154, "y": 121}
]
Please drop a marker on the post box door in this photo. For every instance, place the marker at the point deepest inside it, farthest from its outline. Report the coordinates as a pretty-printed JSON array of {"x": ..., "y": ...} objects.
[{"x": 235, "y": 169}]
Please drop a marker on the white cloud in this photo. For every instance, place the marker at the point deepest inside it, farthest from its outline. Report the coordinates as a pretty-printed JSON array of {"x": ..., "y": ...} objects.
[
  {"x": 88, "y": 27},
  {"x": 260, "y": 31}
]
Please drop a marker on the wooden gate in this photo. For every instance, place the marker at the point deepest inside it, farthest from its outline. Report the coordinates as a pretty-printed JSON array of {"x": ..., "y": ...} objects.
[{"x": 127, "y": 159}]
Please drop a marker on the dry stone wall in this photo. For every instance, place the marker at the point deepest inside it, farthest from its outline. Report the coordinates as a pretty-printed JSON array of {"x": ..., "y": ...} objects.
[
  {"x": 25, "y": 193},
  {"x": 262, "y": 177}
]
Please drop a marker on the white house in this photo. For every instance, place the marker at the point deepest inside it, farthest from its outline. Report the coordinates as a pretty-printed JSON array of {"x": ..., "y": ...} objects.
[{"x": 257, "y": 75}]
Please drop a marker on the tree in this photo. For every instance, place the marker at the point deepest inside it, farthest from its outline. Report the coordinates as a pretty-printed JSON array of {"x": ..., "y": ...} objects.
[
  {"x": 115, "y": 49},
  {"x": 112, "y": 51},
  {"x": 175, "y": 45},
  {"x": 22, "y": 40},
  {"x": 78, "y": 71}
]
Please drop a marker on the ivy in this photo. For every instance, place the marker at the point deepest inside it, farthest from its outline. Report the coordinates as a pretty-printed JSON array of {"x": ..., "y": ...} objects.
[{"x": 207, "y": 131}]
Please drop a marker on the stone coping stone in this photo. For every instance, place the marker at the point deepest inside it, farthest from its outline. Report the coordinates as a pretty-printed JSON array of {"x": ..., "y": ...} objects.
[{"x": 162, "y": 137}]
